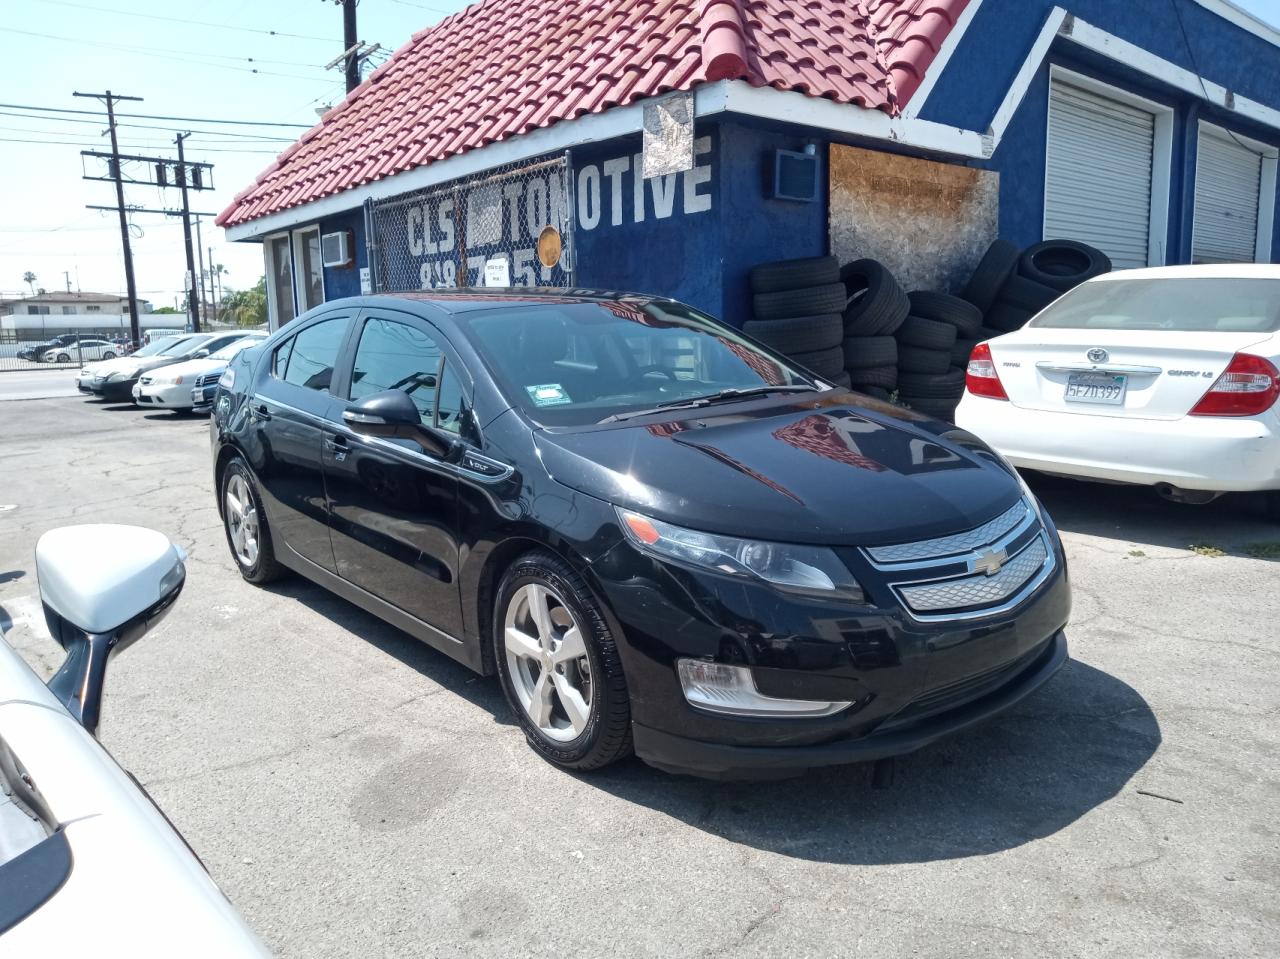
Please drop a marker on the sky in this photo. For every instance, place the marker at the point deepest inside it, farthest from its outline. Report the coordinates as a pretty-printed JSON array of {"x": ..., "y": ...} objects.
[
  {"x": 195, "y": 70},
  {"x": 244, "y": 60}
]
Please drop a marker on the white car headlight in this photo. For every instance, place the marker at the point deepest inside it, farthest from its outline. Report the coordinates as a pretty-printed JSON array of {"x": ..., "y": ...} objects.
[
  {"x": 227, "y": 379},
  {"x": 794, "y": 568}
]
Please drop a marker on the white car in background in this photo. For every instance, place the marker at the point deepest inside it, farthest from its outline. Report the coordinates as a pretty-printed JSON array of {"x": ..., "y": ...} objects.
[
  {"x": 171, "y": 386},
  {"x": 80, "y": 352},
  {"x": 1164, "y": 377},
  {"x": 89, "y": 865}
]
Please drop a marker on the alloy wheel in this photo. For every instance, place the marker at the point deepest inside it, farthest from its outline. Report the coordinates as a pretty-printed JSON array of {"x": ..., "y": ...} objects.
[
  {"x": 547, "y": 661},
  {"x": 242, "y": 520}
]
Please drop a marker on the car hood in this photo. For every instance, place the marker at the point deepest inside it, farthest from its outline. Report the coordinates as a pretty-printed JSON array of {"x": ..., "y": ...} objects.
[
  {"x": 142, "y": 364},
  {"x": 838, "y": 469}
]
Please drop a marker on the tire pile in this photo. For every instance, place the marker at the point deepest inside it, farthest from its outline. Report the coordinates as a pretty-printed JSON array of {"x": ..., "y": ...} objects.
[{"x": 856, "y": 326}]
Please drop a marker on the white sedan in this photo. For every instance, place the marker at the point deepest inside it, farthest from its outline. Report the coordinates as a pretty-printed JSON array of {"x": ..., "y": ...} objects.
[
  {"x": 81, "y": 351},
  {"x": 171, "y": 386},
  {"x": 88, "y": 863},
  {"x": 1164, "y": 377}
]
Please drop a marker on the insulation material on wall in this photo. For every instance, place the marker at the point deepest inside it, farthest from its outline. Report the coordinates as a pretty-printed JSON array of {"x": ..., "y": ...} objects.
[{"x": 928, "y": 222}]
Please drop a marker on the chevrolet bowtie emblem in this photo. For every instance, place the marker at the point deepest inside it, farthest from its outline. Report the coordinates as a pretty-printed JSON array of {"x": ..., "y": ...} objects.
[{"x": 990, "y": 562}]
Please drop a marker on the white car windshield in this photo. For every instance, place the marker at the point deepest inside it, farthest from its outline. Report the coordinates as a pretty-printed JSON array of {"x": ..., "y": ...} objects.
[
  {"x": 1184, "y": 304},
  {"x": 187, "y": 345},
  {"x": 231, "y": 349}
]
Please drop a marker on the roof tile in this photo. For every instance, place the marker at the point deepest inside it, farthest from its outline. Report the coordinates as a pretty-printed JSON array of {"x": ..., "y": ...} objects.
[{"x": 501, "y": 68}]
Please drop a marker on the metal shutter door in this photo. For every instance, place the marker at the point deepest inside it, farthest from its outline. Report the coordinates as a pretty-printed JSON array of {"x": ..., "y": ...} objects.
[
  {"x": 1098, "y": 174},
  {"x": 1228, "y": 181}
]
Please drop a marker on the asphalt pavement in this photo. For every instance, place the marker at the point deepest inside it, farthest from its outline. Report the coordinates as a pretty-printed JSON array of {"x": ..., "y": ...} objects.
[
  {"x": 37, "y": 384},
  {"x": 357, "y": 794}
]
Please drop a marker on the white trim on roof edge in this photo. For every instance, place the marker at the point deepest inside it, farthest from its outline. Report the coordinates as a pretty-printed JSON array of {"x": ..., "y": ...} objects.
[
  {"x": 1243, "y": 19},
  {"x": 939, "y": 64},
  {"x": 740, "y": 98}
]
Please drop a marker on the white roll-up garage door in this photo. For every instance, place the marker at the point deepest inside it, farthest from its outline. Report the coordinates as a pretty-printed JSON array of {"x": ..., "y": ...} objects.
[
  {"x": 1098, "y": 174},
  {"x": 1228, "y": 181}
]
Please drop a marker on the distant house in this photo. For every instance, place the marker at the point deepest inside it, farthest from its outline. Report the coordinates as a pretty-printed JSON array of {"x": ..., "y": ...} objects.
[
  {"x": 667, "y": 146},
  {"x": 82, "y": 312}
]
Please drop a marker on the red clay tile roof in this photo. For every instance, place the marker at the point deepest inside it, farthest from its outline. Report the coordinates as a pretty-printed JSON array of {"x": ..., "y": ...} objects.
[{"x": 500, "y": 68}]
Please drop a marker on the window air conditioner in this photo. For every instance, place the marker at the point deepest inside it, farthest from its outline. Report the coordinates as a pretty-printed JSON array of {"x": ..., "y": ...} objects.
[{"x": 335, "y": 248}]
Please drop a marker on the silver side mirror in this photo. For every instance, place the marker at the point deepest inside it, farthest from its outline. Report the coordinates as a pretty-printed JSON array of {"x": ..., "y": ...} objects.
[{"x": 102, "y": 587}]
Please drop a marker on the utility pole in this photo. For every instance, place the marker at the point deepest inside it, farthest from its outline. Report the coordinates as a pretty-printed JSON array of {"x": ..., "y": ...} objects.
[
  {"x": 66, "y": 274},
  {"x": 192, "y": 311},
  {"x": 213, "y": 293},
  {"x": 348, "y": 42},
  {"x": 200, "y": 254},
  {"x": 131, "y": 287}
]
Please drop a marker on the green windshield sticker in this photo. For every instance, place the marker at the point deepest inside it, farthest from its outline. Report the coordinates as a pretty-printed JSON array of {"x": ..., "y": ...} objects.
[{"x": 549, "y": 394}]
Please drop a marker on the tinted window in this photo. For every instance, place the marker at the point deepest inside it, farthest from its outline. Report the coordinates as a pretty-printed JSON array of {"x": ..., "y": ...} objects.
[
  {"x": 396, "y": 356},
  {"x": 280, "y": 358},
  {"x": 1186, "y": 304},
  {"x": 314, "y": 354},
  {"x": 578, "y": 363},
  {"x": 449, "y": 405}
]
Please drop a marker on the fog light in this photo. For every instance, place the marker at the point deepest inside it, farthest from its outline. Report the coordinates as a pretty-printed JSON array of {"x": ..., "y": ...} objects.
[{"x": 720, "y": 688}]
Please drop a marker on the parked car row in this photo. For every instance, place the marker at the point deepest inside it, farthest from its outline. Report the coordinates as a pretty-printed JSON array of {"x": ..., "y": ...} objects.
[
  {"x": 176, "y": 372},
  {"x": 74, "y": 347}
]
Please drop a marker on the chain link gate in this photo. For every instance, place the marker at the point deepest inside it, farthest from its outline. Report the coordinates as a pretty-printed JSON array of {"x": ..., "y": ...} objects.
[{"x": 511, "y": 226}]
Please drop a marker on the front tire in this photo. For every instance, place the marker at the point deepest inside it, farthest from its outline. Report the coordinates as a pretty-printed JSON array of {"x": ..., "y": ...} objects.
[
  {"x": 64, "y": 358},
  {"x": 558, "y": 663},
  {"x": 245, "y": 524}
]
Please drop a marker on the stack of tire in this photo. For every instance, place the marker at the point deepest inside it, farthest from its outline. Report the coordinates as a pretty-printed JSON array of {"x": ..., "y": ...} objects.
[
  {"x": 876, "y": 309},
  {"x": 797, "y": 307},
  {"x": 1010, "y": 286},
  {"x": 933, "y": 349}
]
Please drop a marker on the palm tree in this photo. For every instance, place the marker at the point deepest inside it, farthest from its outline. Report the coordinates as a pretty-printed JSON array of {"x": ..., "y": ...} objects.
[{"x": 29, "y": 278}]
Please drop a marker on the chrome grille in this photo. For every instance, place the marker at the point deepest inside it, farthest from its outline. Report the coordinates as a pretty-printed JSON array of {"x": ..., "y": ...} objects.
[
  {"x": 929, "y": 549},
  {"x": 980, "y": 589},
  {"x": 207, "y": 379}
]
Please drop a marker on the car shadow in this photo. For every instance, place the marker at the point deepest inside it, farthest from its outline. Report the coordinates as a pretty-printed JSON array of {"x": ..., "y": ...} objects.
[
  {"x": 1234, "y": 524},
  {"x": 482, "y": 691},
  {"x": 1025, "y": 775}
]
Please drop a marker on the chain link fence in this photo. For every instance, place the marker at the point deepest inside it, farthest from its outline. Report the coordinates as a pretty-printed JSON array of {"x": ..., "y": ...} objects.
[
  {"x": 511, "y": 226},
  {"x": 39, "y": 348}
]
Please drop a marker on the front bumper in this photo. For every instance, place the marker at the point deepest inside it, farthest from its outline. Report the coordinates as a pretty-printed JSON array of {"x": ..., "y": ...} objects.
[
  {"x": 911, "y": 681},
  {"x": 679, "y": 754},
  {"x": 168, "y": 395},
  {"x": 1215, "y": 453}
]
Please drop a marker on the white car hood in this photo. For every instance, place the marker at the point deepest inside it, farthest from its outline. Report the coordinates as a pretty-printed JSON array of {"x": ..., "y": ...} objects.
[{"x": 191, "y": 368}]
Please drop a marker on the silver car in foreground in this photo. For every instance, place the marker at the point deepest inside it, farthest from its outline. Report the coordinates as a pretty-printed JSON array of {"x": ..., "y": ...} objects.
[{"x": 88, "y": 864}]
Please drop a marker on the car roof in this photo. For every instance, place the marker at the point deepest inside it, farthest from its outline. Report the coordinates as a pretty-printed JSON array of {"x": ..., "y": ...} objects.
[
  {"x": 1207, "y": 271},
  {"x": 469, "y": 300}
]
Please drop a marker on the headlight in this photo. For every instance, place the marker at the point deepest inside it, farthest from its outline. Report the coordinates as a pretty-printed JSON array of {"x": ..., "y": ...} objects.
[
  {"x": 801, "y": 569},
  {"x": 227, "y": 379}
]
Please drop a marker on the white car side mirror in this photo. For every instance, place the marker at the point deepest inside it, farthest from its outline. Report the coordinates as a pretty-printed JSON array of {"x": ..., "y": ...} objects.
[{"x": 102, "y": 587}]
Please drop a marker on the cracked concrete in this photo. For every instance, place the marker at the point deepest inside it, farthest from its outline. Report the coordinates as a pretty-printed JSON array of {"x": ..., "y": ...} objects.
[{"x": 357, "y": 794}]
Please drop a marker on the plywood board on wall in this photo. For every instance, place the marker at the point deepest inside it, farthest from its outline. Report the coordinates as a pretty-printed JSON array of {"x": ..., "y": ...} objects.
[{"x": 928, "y": 222}]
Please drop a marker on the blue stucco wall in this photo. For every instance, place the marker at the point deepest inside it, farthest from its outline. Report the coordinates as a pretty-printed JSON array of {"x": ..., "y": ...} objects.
[
  {"x": 704, "y": 256},
  {"x": 998, "y": 41},
  {"x": 345, "y": 281}
]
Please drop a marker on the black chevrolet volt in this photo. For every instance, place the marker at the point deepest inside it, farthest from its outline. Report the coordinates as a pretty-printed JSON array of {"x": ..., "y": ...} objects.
[{"x": 662, "y": 536}]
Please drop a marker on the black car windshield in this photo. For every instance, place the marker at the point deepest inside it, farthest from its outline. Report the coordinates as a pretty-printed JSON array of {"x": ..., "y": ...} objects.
[
  {"x": 1182, "y": 304},
  {"x": 570, "y": 364},
  {"x": 156, "y": 347}
]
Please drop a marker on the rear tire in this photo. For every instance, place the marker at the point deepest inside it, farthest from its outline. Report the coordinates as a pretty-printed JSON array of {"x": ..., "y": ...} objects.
[
  {"x": 108, "y": 355},
  {"x": 558, "y": 664},
  {"x": 245, "y": 523}
]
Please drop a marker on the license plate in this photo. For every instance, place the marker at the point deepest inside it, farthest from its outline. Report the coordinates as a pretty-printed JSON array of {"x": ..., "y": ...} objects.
[{"x": 1105, "y": 388}]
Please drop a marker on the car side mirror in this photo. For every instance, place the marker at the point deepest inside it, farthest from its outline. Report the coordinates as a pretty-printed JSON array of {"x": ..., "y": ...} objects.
[
  {"x": 199, "y": 354},
  {"x": 102, "y": 587},
  {"x": 391, "y": 414}
]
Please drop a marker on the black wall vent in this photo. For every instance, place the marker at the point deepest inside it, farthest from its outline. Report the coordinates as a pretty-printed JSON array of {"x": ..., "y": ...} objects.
[{"x": 795, "y": 176}]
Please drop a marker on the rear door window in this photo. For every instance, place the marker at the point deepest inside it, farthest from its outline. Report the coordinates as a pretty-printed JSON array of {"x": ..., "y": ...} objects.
[{"x": 312, "y": 354}]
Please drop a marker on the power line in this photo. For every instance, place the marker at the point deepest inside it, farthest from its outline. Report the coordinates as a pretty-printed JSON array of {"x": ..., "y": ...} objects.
[
  {"x": 197, "y": 23},
  {"x": 131, "y": 146},
  {"x": 152, "y": 116},
  {"x": 259, "y": 137},
  {"x": 177, "y": 56}
]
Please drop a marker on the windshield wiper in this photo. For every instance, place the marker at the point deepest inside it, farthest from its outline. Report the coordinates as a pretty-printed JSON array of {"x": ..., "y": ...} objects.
[{"x": 698, "y": 402}]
